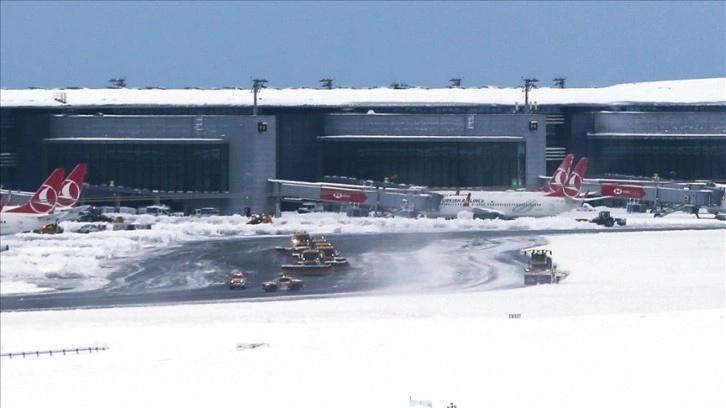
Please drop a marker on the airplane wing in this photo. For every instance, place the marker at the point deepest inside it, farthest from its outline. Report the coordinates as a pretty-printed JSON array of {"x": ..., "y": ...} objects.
[{"x": 71, "y": 212}]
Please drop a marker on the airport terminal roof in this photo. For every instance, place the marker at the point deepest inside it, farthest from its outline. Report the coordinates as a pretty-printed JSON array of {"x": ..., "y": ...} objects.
[{"x": 709, "y": 91}]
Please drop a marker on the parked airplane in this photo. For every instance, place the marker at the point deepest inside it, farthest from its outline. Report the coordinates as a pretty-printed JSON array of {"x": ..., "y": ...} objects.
[
  {"x": 37, "y": 212},
  {"x": 514, "y": 204}
]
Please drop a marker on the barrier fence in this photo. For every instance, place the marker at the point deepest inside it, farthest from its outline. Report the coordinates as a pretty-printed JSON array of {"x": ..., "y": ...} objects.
[{"x": 38, "y": 353}]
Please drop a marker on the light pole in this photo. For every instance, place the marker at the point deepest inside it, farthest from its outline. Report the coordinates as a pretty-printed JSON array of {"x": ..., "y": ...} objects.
[
  {"x": 257, "y": 84},
  {"x": 327, "y": 83},
  {"x": 529, "y": 84}
]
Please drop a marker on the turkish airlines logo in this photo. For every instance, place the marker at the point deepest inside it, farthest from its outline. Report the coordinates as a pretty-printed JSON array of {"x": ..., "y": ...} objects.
[
  {"x": 574, "y": 184},
  {"x": 70, "y": 192},
  {"x": 560, "y": 177},
  {"x": 46, "y": 200}
]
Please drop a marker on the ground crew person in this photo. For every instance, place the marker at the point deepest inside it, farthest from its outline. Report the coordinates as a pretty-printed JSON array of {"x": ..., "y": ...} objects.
[{"x": 558, "y": 276}]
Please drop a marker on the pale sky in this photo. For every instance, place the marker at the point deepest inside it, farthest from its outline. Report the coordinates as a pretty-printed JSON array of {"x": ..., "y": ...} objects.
[{"x": 358, "y": 44}]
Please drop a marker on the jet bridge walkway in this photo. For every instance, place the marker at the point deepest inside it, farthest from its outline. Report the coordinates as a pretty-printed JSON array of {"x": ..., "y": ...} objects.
[{"x": 384, "y": 197}]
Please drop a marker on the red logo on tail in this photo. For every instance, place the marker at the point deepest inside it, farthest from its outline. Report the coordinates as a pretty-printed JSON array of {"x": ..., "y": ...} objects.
[
  {"x": 559, "y": 178},
  {"x": 467, "y": 200},
  {"x": 574, "y": 182},
  {"x": 72, "y": 186},
  {"x": 45, "y": 199}
]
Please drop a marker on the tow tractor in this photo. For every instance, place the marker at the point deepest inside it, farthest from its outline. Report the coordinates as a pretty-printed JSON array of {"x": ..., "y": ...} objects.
[
  {"x": 283, "y": 282},
  {"x": 237, "y": 280},
  {"x": 604, "y": 218},
  {"x": 541, "y": 269}
]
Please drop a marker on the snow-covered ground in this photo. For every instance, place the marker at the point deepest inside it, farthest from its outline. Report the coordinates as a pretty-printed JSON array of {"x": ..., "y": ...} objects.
[
  {"x": 34, "y": 259},
  {"x": 639, "y": 322}
]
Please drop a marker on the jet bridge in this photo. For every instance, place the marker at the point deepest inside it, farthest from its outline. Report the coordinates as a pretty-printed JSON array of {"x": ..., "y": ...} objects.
[
  {"x": 396, "y": 199},
  {"x": 654, "y": 195}
]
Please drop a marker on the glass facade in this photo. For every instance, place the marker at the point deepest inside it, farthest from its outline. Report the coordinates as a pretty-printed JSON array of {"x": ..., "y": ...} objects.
[
  {"x": 432, "y": 164},
  {"x": 168, "y": 166},
  {"x": 680, "y": 159}
]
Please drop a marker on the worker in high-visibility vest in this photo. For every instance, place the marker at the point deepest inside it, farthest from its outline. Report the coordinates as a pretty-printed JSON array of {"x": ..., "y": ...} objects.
[{"x": 558, "y": 275}]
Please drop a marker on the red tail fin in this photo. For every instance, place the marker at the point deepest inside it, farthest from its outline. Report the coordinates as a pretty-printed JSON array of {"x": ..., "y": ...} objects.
[
  {"x": 72, "y": 186},
  {"x": 574, "y": 181},
  {"x": 45, "y": 199},
  {"x": 559, "y": 178},
  {"x": 467, "y": 200}
]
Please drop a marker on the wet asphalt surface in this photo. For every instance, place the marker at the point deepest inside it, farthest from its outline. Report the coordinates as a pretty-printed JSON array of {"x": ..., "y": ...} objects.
[{"x": 197, "y": 272}]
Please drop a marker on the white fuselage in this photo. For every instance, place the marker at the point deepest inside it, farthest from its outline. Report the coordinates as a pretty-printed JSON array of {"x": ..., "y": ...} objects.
[
  {"x": 505, "y": 204},
  {"x": 14, "y": 223}
]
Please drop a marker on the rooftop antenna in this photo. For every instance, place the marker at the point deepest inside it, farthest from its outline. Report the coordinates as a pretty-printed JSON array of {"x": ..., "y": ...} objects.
[
  {"x": 455, "y": 83},
  {"x": 327, "y": 83},
  {"x": 529, "y": 84},
  {"x": 257, "y": 84},
  {"x": 560, "y": 82},
  {"x": 118, "y": 82}
]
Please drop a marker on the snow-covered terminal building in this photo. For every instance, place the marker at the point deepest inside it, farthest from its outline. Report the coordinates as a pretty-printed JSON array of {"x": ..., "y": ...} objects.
[{"x": 229, "y": 142}]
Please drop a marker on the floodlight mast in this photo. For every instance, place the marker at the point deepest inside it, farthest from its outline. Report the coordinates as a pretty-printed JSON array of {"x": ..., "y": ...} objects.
[
  {"x": 529, "y": 84},
  {"x": 118, "y": 82},
  {"x": 327, "y": 83},
  {"x": 560, "y": 82},
  {"x": 257, "y": 84},
  {"x": 455, "y": 82}
]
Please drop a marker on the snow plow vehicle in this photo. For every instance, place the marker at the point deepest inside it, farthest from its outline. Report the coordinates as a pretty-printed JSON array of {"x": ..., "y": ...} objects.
[
  {"x": 330, "y": 256},
  {"x": 259, "y": 219},
  {"x": 541, "y": 269},
  {"x": 604, "y": 218},
  {"x": 310, "y": 263},
  {"x": 283, "y": 282},
  {"x": 298, "y": 242},
  {"x": 93, "y": 214},
  {"x": 237, "y": 280}
]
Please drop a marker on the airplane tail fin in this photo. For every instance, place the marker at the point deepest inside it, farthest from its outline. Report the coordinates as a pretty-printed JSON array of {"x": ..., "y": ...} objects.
[
  {"x": 46, "y": 197},
  {"x": 573, "y": 185},
  {"x": 559, "y": 178},
  {"x": 72, "y": 186},
  {"x": 467, "y": 201},
  {"x": 574, "y": 182}
]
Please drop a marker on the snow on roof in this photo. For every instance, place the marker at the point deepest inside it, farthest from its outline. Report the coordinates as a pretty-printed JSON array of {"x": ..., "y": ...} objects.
[{"x": 688, "y": 91}]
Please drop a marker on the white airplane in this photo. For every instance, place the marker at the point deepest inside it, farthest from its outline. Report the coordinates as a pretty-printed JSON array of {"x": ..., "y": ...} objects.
[
  {"x": 514, "y": 204},
  {"x": 37, "y": 212}
]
